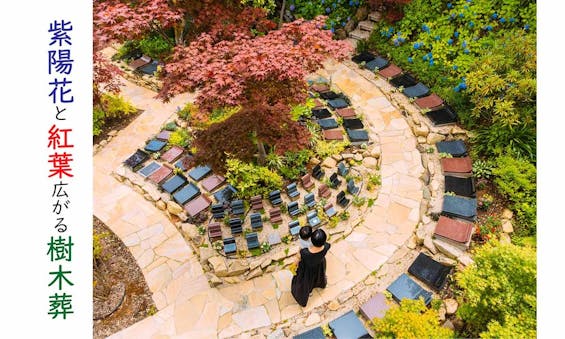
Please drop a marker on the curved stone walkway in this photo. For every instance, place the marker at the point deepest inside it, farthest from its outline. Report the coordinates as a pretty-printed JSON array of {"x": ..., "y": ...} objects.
[{"x": 188, "y": 307}]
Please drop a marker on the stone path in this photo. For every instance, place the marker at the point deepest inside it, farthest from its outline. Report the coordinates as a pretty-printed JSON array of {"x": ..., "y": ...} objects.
[{"x": 188, "y": 307}]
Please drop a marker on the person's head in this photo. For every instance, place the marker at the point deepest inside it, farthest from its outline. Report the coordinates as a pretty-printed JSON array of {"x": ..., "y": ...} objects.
[
  {"x": 305, "y": 232},
  {"x": 319, "y": 237}
]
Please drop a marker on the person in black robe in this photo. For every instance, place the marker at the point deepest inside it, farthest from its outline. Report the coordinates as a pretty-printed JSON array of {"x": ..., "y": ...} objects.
[{"x": 311, "y": 271}]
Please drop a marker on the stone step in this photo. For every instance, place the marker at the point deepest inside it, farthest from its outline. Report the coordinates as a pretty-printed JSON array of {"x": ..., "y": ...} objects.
[
  {"x": 375, "y": 16},
  {"x": 359, "y": 34},
  {"x": 367, "y": 25}
]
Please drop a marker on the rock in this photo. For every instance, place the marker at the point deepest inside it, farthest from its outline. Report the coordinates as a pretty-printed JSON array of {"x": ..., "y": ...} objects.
[
  {"x": 95, "y": 148},
  {"x": 113, "y": 133},
  {"x": 507, "y": 226},
  {"x": 213, "y": 279},
  {"x": 420, "y": 235},
  {"x": 362, "y": 13},
  {"x": 238, "y": 267},
  {"x": 370, "y": 162},
  {"x": 421, "y": 131},
  {"x": 465, "y": 259},
  {"x": 147, "y": 197},
  {"x": 174, "y": 208},
  {"x": 349, "y": 26},
  {"x": 232, "y": 280},
  {"x": 314, "y": 161},
  {"x": 507, "y": 214},
  {"x": 138, "y": 189},
  {"x": 425, "y": 177},
  {"x": 277, "y": 334},
  {"x": 347, "y": 156},
  {"x": 337, "y": 157},
  {"x": 218, "y": 266},
  {"x": 445, "y": 260},
  {"x": 449, "y": 325},
  {"x": 271, "y": 268},
  {"x": 412, "y": 244},
  {"x": 190, "y": 230},
  {"x": 376, "y": 151},
  {"x": 333, "y": 305},
  {"x": 161, "y": 205},
  {"x": 505, "y": 238},
  {"x": 103, "y": 143},
  {"x": 206, "y": 253},
  {"x": 448, "y": 249},
  {"x": 429, "y": 244},
  {"x": 426, "y": 219},
  {"x": 165, "y": 197},
  {"x": 254, "y": 273},
  {"x": 451, "y": 306},
  {"x": 265, "y": 263},
  {"x": 329, "y": 162},
  {"x": 431, "y": 168},
  {"x": 183, "y": 216},
  {"x": 371, "y": 280},
  {"x": 340, "y": 34},
  {"x": 279, "y": 255},
  {"x": 357, "y": 157},
  {"x": 153, "y": 191},
  {"x": 312, "y": 319},
  {"x": 434, "y": 138},
  {"x": 441, "y": 313},
  {"x": 421, "y": 140},
  {"x": 342, "y": 298},
  {"x": 255, "y": 263},
  {"x": 456, "y": 130}
]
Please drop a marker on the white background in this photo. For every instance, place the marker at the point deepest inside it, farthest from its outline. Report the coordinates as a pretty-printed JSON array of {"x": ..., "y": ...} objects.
[
  {"x": 26, "y": 216},
  {"x": 27, "y": 219}
]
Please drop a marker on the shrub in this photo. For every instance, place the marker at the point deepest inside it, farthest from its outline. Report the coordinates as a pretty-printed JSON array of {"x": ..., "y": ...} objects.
[
  {"x": 325, "y": 149},
  {"x": 411, "y": 320},
  {"x": 180, "y": 137},
  {"x": 111, "y": 107},
  {"x": 339, "y": 12},
  {"x": 156, "y": 46},
  {"x": 187, "y": 111},
  {"x": 294, "y": 163},
  {"x": 250, "y": 180},
  {"x": 515, "y": 179},
  {"x": 500, "y": 286},
  {"x": 302, "y": 110}
]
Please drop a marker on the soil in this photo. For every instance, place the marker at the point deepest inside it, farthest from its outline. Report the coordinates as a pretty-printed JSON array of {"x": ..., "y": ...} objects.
[
  {"x": 118, "y": 266},
  {"x": 115, "y": 124},
  {"x": 494, "y": 211}
]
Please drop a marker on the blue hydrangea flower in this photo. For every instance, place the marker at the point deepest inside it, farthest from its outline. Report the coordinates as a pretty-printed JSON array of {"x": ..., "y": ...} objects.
[
  {"x": 323, "y": 2},
  {"x": 401, "y": 39},
  {"x": 351, "y": 3},
  {"x": 410, "y": 60},
  {"x": 417, "y": 45},
  {"x": 437, "y": 37},
  {"x": 455, "y": 67},
  {"x": 512, "y": 20},
  {"x": 488, "y": 28},
  {"x": 526, "y": 27},
  {"x": 457, "y": 88},
  {"x": 348, "y": 18},
  {"x": 333, "y": 30},
  {"x": 450, "y": 41},
  {"x": 425, "y": 57},
  {"x": 466, "y": 51},
  {"x": 502, "y": 20},
  {"x": 465, "y": 7},
  {"x": 395, "y": 42},
  {"x": 469, "y": 1},
  {"x": 425, "y": 28},
  {"x": 449, "y": 5},
  {"x": 471, "y": 24},
  {"x": 328, "y": 10},
  {"x": 461, "y": 15},
  {"x": 334, "y": 5},
  {"x": 430, "y": 55},
  {"x": 456, "y": 34},
  {"x": 390, "y": 29},
  {"x": 431, "y": 63},
  {"x": 494, "y": 16},
  {"x": 343, "y": 24},
  {"x": 292, "y": 8},
  {"x": 463, "y": 85},
  {"x": 452, "y": 16},
  {"x": 464, "y": 44}
]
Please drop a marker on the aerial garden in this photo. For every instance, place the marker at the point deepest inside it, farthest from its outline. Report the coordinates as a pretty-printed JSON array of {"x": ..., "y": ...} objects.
[{"x": 248, "y": 60}]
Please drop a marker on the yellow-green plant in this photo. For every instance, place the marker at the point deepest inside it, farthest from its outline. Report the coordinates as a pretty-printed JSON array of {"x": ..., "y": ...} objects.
[{"x": 411, "y": 320}]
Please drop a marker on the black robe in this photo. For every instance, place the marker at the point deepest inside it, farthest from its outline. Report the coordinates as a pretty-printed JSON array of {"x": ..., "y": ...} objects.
[{"x": 311, "y": 273}]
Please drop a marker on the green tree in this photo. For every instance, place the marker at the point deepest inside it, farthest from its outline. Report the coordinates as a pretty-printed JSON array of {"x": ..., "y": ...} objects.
[
  {"x": 516, "y": 180},
  {"x": 411, "y": 320},
  {"x": 502, "y": 86},
  {"x": 499, "y": 290}
]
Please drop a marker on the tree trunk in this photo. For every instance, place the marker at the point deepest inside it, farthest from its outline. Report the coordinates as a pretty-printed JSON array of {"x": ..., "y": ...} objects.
[
  {"x": 282, "y": 13},
  {"x": 179, "y": 32},
  {"x": 262, "y": 158}
]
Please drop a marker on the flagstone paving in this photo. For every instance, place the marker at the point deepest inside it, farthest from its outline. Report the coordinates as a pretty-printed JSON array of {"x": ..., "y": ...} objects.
[{"x": 188, "y": 306}]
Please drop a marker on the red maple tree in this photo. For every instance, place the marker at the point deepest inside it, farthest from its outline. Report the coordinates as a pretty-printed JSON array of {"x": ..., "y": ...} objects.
[{"x": 228, "y": 72}]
